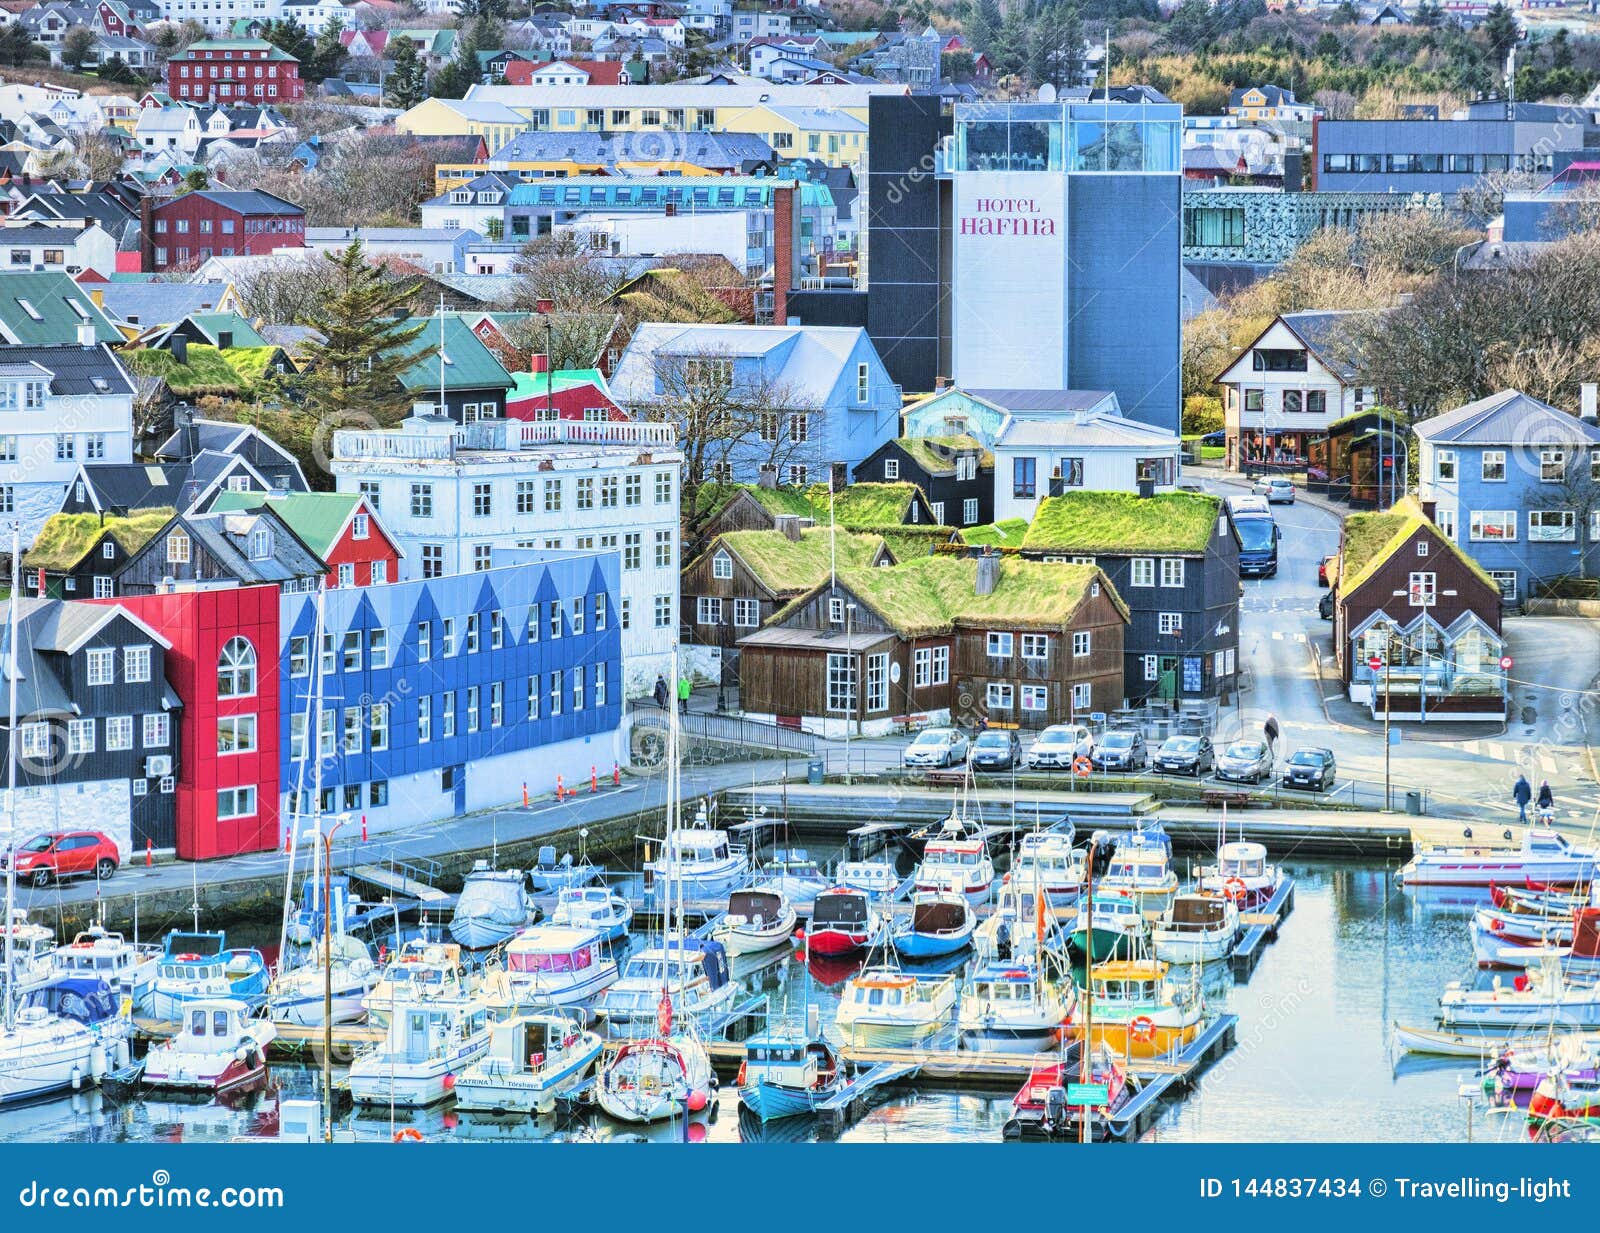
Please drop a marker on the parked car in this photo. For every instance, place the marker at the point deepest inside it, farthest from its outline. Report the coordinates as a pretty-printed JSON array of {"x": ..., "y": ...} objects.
[
  {"x": 1323, "y": 568},
  {"x": 1059, "y": 744},
  {"x": 1121, "y": 749},
  {"x": 937, "y": 747},
  {"x": 996, "y": 749},
  {"x": 1277, "y": 489},
  {"x": 1245, "y": 762},
  {"x": 1325, "y": 606},
  {"x": 64, "y": 854},
  {"x": 1310, "y": 768},
  {"x": 1185, "y": 755},
  {"x": 1214, "y": 438}
]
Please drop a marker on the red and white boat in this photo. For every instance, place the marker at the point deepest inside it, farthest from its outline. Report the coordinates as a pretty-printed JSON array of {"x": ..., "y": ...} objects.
[
  {"x": 218, "y": 1047},
  {"x": 1040, "y": 1109},
  {"x": 843, "y": 921}
]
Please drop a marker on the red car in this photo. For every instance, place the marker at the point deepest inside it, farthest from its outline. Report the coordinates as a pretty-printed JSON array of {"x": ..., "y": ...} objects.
[
  {"x": 1323, "y": 567},
  {"x": 65, "y": 854}
]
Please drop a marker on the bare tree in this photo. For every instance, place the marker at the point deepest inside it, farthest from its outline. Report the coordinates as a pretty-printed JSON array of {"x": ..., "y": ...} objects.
[
  {"x": 278, "y": 291},
  {"x": 563, "y": 270},
  {"x": 1485, "y": 197},
  {"x": 1576, "y": 491}
]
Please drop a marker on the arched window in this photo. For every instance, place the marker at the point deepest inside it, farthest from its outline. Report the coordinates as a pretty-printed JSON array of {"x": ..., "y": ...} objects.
[{"x": 236, "y": 669}]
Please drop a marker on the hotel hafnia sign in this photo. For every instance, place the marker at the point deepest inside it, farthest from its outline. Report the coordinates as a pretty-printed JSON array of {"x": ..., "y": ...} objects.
[{"x": 1007, "y": 216}]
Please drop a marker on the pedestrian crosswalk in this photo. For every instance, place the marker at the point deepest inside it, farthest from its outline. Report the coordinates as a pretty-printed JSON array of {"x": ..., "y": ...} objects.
[
  {"x": 1547, "y": 760},
  {"x": 1279, "y": 636}
]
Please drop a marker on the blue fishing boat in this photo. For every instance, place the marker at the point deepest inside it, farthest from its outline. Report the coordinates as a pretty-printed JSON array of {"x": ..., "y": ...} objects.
[
  {"x": 786, "y": 1075},
  {"x": 197, "y": 965},
  {"x": 941, "y": 923}
]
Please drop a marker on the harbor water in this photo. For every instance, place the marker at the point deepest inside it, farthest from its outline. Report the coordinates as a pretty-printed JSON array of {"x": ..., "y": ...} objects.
[{"x": 1314, "y": 1059}]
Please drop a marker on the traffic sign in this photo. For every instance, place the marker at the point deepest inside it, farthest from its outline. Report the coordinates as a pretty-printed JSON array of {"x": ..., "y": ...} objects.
[
  {"x": 1082, "y": 1094},
  {"x": 1505, "y": 663},
  {"x": 1375, "y": 662}
]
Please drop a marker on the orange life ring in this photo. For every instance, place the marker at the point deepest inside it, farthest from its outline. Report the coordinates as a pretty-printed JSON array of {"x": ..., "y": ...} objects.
[
  {"x": 1081, "y": 766},
  {"x": 408, "y": 1135},
  {"x": 1143, "y": 1028},
  {"x": 1235, "y": 889}
]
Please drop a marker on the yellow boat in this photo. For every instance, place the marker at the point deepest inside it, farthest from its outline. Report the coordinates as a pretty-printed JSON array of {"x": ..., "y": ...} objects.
[{"x": 1138, "y": 1012}]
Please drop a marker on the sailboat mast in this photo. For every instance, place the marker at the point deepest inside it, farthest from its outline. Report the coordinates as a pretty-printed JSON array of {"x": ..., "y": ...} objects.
[{"x": 11, "y": 782}]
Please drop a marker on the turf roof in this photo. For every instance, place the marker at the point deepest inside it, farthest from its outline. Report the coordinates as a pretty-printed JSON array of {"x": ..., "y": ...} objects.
[
  {"x": 65, "y": 539},
  {"x": 937, "y": 455},
  {"x": 1370, "y": 539},
  {"x": 787, "y": 567},
  {"x": 1007, "y": 533},
  {"x": 1094, "y": 522},
  {"x": 207, "y": 370}
]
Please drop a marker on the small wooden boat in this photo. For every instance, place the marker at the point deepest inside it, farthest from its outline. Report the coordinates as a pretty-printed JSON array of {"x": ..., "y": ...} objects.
[
  {"x": 1196, "y": 929},
  {"x": 787, "y": 1075},
  {"x": 940, "y": 923},
  {"x": 1483, "y": 1046},
  {"x": 757, "y": 919},
  {"x": 218, "y": 1047},
  {"x": 885, "y": 1007},
  {"x": 532, "y": 1060}
]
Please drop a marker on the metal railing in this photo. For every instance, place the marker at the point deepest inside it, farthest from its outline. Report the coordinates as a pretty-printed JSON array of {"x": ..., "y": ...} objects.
[
  {"x": 732, "y": 730},
  {"x": 598, "y": 432}
]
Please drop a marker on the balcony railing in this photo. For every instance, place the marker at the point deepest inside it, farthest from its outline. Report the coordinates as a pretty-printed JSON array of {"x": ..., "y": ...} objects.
[
  {"x": 411, "y": 447},
  {"x": 598, "y": 432},
  {"x": 499, "y": 435}
]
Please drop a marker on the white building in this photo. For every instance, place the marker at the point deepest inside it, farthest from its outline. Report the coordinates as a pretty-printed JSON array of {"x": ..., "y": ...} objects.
[
  {"x": 65, "y": 246},
  {"x": 1091, "y": 451},
  {"x": 452, "y": 495},
  {"x": 726, "y": 232},
  {"x": 59, "y": 407},
  {"x": 218, "y": 16},
  {"x": 315, "y": 15},
  {"x": 174, "y": 130},
  {"x": 428, "y": 249}
]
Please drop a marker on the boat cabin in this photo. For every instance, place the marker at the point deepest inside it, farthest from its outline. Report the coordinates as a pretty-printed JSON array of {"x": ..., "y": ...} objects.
[
  {"x": 523, "y": 1044},
  {"x": 419, "y": 1031},
  {"x": 700, "y": 847},
  {"x": 754, "y": 907},
  {"x": 1197, "y": 914},
  {"x": 937, "y": 916},
  {"x": 952, "y": 854},
  {"x": 875, "y": 877},
  {"x": 1116, "y": 909},
  {"x": 212, "y": 1026},
  {"x": 840, "y": 910},
  {"x": 89, "y": 1000},
  {"x": 105, "y": 955},
  {"x": 1134, "y": 982},
  {"x": 887, "y": 990},
  {"x": 790, "y": 1063},
  {"x": 680, "y": 965},
  {"x": 553, "y": 951},
  {"x": 1242, "y": 860},
  {"x": 1005, "y": 985}
]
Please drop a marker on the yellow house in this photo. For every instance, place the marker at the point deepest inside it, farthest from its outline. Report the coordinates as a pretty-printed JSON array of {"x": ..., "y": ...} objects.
[
  {"x": 1268, "y": 103},
  {"x": 448, "y": 117}
]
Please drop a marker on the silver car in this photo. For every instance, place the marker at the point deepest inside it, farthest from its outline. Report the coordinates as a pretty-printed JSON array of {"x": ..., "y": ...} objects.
[
  {"x": 936, "y": 747},
  {"x": 1059, "y": 744},
  {"x": 1245, "y": 762}
]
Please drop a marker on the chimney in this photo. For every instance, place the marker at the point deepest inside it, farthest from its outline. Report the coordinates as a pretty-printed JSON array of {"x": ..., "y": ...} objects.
[
  {"x": 179, "y": 346},
  {"x": 789, "y": 524},
  {"x": 768, "y": 477},
  {"x": 147, "y": 234},
  {"x": 988, "y": 572},
  {"x": 85, "y": 334},
  {"x": 544, "y": 307},
  {"x": 538, "y": 362},
  {"x": 1589, "y": 402},
  {"x": 98, "y": 295},
  {"x": 785, "y": 250},
  {"x": 940, "y": 383}
]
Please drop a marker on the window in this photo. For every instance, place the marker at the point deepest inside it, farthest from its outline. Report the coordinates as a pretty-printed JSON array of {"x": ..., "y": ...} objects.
[
  {"x": 35, "y": 740},
  {"x": 1444, "y": 466},
  {"x": 1172, "y": 571},
  {"x": 80, "y": 736},
  {"x": 236, "y": 734},
  {"x": 891, "y": 468},
  {"x": 1082, "y": 696},
  {"x": 380, "y": 572},
  {"x": 157, "y": 731},
  {"x": 136, "y": 664},
  {"x": 1505, "y": 579},
  {"x": 1035, "y": 698},
  {"x": 663, "y": 487},
  {"x": 1170, "y": 622},
  {"x": 708, "y": 610},
  {"x": 66, "y": 447},
  {"x": 663, "y": 549},
  {"x": 722, "y": 566},
  {"x": 1152, "y": 668},
  {"x": 424, "y": 719},
  {"x": 352, "y": 730},
  {"x": 663, "y": 611},
  {"x": 235, "y": 803},
  {"x": 347, "y": 576},
  {"x": 999, "y": 645},
  {"x": 1594, "y": 464},
  {"x": 633, "y": 490},
  {"x": 236, "y": 669},
  {"x": 1422, "y": 589},
  {"x": 297, "y": 737},
  {"x": 1080, "y": 644},
  {"x": 1142, "y": 572},
  {"x": 482, "y": 557},
  {"x": 325, "y": 733},
  {"x": 998, "y": 696},
  {"x": 432, "y": 560},
  {"x": 1445, "y": 520},
  {"x": 1552, "y": 466},
  {"x": 863, "y": 382},
  {"x": 102, "y": 666},
  {"x": 119, "y": 732},
  {"x": 472, "y": 633},
  {"x": 378, "y": 648},
  {"x": 1494, "y": 465},
  {"x": 1552, "y": 525},
  {"x": 482, "y": 500},
  {"x": 555, "y": 619},
  {"x": 878, "y": 682},
  {"x": 424, "y": 641},
  {"x": 177, "y": 548},
  {"x": 1493, "y": 525},
  {"x": 969, "y": 512},
  {"x": 585, "y": 489},
  {"x": 608, "y": 492},
  {"x": 352, "y": 651},
  {"x": 557, "y": 692},
  {"x": 422, "y": 500},
  {"x": 1037, "y": 646},
  {"x": 533, "y": 696},
  {"x": 577, "y": 689},
  {"x": 798, "y": 474},
  {"x": 370, "y": 490},
  {"x": 378, "y": 725},
  {"x": 1024, "y": 473},
  {"x": 632, "y": 543},
  {"x": 746, "y": 613},
  {"x": 359, "y": 527},
  {"x": 842, "y": 684}
]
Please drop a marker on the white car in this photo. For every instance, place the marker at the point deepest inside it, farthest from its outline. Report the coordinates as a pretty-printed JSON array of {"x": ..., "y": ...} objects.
[
  {"x": 1275, "y": 488},
  {"x": 1059, "y": 744},
  {"x": 936, "y": 747}
]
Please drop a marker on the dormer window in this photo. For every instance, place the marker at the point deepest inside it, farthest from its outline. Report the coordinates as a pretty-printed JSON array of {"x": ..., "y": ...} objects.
[
  {"x": 358, "y": 526},
  {"x": 722, "y": 566},
  {"x": 261, "y": 544}
]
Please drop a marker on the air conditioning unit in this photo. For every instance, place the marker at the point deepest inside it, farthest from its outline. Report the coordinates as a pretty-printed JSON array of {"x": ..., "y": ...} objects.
[{"x": 158, "y": 766}]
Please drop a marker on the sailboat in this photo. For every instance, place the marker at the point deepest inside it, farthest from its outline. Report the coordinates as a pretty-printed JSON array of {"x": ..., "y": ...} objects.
[
  {"x": 337, "y": 975},
  {"x": 1015, "y": 1000},
  {"x": 670, "y": 1072},
  {"x": 41, "y": 1050}
]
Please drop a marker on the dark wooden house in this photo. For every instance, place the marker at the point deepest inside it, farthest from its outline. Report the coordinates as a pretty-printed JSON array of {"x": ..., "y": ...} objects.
[
  {"x": 1017, "y": 643},
  {"x": 1407, "y": 597},
  {"x": 956, "y": 474}
]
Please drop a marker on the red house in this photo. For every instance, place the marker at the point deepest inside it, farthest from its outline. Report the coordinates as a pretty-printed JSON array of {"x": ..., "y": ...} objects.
[
  {"x": 234, "y": 71},
  {"x": 570, "y": 393},
  {"x": 194, "y": 227},
  {"x": 224, "y": 666},
  {"x": 340, "y": 527},
  {"x": 118, "y": 18}
]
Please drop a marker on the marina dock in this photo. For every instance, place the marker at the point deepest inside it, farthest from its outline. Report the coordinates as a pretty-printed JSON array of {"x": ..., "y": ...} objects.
[{"x": 1261, "y": 927}]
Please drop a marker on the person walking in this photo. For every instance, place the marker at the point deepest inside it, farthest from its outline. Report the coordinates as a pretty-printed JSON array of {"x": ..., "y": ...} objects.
[
  {"x": 683, "y": 695},
  {"x": 1547, "y": 803},
  {"x": 661, "y": 691},
  {"x": 1522, "y": 793}
]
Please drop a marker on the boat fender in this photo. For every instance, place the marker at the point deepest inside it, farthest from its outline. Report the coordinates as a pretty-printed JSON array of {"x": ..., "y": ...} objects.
[
  {"x": 252, "y": 1059},
  {"x": 77, "y": 1078},
  {"x": 697, "y": 1101}
]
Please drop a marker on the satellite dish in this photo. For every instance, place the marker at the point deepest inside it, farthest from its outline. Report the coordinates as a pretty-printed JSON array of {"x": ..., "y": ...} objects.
[{"x": 1047, "y": 93}]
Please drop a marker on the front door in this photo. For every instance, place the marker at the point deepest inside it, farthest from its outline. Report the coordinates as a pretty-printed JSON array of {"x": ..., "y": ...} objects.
[{"x": 1167, "y": 684}]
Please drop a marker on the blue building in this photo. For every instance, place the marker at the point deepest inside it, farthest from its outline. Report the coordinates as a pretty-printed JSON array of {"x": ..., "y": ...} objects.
[
  {"x": 822, "y": 396},
  {"x": 1516, "y": 482},
  {"x": 447, "y": 695}
]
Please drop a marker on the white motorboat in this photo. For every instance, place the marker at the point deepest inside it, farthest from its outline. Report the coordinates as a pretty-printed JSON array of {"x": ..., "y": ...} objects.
[
  {"x": 795, "y": 874},
  {"x": 65, "y": 1033},
  {"x": 757, "y": 919},
  {"x": 594, "y": 907},
  {"x": 420, "y": 971},
  {"x": 876, "y": 877},
  {"x": 553, "y": 965},
  {"x": 885, "y": 1007},
  {"x": 218, "y": 1047},
  {"x": 1540, "y": 999},
  {"x": 550, "y": 874},
  {"x": 1242, "y": 874},
  {"x": 32, "y": 947},
  {"x": 1014, "y": 1007},
  {"x": 957, "y": 863},
  {"x": 701, "y": 860},
  {"x": 129, "y": 969},
  {"x": 427, "y": 1047},
  {"x": 1047, "y": 860},
  {"x": 652, "y": 1080},
  {"x": 493, "y": 907},
  {"x": 694, "y": 971},
  {"x": 533, "y": 1059},
  {"x": 300, "y": 996},
  {"x": 1141, "y": 868},
  {"x": 1544, "y": 856},
  {"x": 1196, "y": 929}
]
